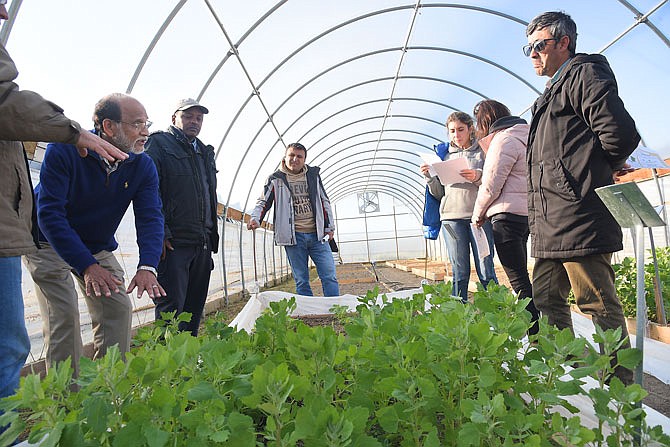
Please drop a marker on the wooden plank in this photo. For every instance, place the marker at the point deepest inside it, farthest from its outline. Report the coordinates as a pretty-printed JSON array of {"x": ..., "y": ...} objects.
[
  {"x": 350, "y": 280},
  {"x": 432, "y": 274}
]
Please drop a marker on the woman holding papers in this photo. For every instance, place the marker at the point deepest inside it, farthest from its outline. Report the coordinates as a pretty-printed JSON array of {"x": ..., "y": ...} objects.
[
  {"x": 457, "y": 199},
  {"x": 502, "y": 197}
]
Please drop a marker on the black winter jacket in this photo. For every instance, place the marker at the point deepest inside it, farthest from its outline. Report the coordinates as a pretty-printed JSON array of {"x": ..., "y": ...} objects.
[
  {"x": 181, "y": 188},
  {"x": 580, "y": 133}
]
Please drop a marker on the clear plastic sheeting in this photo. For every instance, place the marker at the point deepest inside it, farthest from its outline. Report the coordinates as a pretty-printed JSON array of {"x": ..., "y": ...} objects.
[
  {"x": 366, "y": 86},
  {"x": 361, "y": 84}
]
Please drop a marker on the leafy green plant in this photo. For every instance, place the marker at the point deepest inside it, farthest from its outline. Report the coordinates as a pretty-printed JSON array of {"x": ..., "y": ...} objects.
[
  {"x": 625, "y": 280},
  {"x": 400, "y": 375}
]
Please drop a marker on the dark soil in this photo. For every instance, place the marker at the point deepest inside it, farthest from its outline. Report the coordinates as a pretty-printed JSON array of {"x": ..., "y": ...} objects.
[{"x": 357, "y": 279}]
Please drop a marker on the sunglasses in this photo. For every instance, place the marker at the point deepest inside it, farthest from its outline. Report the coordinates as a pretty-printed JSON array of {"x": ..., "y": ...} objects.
[{"x": 537, "y": 46}]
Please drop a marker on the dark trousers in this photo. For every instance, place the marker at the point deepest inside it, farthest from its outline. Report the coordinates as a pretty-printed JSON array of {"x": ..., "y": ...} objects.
[
  {"x": 591, "y": 278},
  {"x": 184, "y": 274},
  {"x": 511, "y": 239}
]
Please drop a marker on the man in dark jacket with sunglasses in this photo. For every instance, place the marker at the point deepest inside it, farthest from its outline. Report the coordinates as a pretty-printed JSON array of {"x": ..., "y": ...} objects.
[{"x": 580, "y": 135}]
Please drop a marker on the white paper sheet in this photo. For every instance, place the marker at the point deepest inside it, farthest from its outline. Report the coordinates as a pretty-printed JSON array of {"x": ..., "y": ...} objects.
[
  {"x": 431, "y": 159},
  {"x": 643, "y": 157},
  {"x": 448, "y": 171},
  {"x": 481, "y": 240}
]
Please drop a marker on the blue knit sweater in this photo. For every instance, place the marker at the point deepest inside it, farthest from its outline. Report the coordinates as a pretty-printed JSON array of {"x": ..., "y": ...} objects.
[{"x": 80, "y": 206}]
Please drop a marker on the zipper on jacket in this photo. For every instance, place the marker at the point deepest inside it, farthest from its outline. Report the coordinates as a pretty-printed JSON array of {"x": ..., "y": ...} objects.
[
  {"x": 543, "y": 200},
  {"x": 195, "y": 165}
]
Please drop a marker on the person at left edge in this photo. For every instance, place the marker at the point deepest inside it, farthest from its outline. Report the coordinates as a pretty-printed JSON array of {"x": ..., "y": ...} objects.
[
  {"x": 25, "y": 116},
  {"x": 80, "y": 204}
]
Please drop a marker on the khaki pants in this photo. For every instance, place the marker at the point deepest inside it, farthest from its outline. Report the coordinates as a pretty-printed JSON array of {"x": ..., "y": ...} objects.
[
  {"x": 59, "y": 306},
  {"x": 592, "y": 280}
]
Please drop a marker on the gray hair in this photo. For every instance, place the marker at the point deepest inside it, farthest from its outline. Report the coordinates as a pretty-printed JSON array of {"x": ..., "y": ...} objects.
[{"x": 559, "y": 23}]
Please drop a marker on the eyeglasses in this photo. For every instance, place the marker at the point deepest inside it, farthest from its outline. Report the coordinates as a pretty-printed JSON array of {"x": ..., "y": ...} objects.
[
  {"x": 138, "y": 126},
  {"x": 537, "y": 46}
]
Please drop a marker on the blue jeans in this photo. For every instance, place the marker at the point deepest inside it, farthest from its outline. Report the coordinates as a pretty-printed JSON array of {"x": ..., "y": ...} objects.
[
  {"x": 14, "y": 341},
  {"x": 458, "y": 249},
  {"x": 307, "y": 244}
]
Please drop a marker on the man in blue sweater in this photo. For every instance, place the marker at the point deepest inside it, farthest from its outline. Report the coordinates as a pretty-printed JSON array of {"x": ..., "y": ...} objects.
[{"x": 80, "y": 204}]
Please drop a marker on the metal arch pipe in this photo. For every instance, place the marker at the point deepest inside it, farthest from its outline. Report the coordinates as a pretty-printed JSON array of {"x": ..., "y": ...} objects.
[
  {"x": 279, "y": 138},
  {"x": 373, "y": 131},
  {"x": 480, "y": 58},
  {"x": 239, "y": 167},
  {"x": 360, "y": 104},
  {"x": 642, "y": 18},
  {"x": 246, "y": 34},
  {"x": 379, "y": 180},
  {"x": 6, "y": 29},
  {"x": 382, "y": 187},
  {"x": 257, "y": 88},
  {"x": 323, "y": 169},
  {"x": 380, "y": 12},
  {"x": 152, "y": 45},
  {"x": 429, "y": 101},
  {"x": 332, "y": 147},
  {"x": 413, "y": 154},
  {"x": 462, "y": 53},
  {"x": 365, "y": 184},
  {"x": 370, "y": 81},
  {"x": 408, "y": 200},
  {"x": 277, "y": 141},
  {"x": 389, "y": 192},
  {"x": 396, "y": 161},
  {"x": 331, "y": 181},
  {"x": 350, "y": 176},
  {"x": 376, "y": 178}
]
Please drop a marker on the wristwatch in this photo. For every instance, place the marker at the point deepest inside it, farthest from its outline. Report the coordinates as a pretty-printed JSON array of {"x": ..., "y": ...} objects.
[{"x": 149, "y": 269}]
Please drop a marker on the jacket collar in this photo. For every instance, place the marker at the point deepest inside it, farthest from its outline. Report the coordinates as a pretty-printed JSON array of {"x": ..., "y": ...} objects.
[
  {"x": 570, "y": 65},
  {"x": 506, "y": 122},
  {"x": 453, "y": 148},
  {"x": 179, "y": 135}
]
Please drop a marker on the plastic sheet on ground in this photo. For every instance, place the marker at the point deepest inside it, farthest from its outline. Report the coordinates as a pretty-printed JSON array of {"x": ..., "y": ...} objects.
[{"x": 305, "y": 305}]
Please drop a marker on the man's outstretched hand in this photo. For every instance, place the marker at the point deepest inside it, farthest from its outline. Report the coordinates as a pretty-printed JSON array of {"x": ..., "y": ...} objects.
[{"x": 90, "y": 141}]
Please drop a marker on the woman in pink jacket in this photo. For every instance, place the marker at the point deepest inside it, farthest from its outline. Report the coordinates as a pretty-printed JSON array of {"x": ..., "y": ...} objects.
[{"x": 502, "y": 195}]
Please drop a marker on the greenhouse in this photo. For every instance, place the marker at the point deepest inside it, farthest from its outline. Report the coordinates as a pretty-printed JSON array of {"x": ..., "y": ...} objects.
[{"x": 366, "y": 87}]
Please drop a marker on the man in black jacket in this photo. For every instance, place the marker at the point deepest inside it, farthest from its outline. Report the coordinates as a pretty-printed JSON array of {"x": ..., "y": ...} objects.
[
  {"x": 580, "y": 135},
  {"x": 187, "y": 173}
]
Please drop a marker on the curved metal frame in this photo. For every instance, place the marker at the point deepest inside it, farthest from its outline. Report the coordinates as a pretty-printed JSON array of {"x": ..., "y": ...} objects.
[
  {"x": 391, "y": 193},
  {"x": 356, "y": 187},
  {"x": 354, "y": 176},
  {"x": 639, "y": 18},
  {"x": 255, "y": 89},
  {"x": 333, "y": 180}
]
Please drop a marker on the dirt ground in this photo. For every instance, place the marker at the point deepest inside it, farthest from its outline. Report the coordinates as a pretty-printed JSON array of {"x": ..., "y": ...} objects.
[{"x": 357, "y": 279}]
